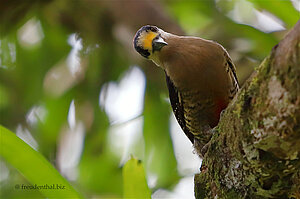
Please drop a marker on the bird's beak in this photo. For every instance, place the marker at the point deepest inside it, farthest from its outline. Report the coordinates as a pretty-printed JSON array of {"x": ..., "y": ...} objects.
[{"x": 158, "y": 43}]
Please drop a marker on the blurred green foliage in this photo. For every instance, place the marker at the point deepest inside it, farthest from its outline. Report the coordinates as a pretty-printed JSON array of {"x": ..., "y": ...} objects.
[{"x": 37, "y": 75}]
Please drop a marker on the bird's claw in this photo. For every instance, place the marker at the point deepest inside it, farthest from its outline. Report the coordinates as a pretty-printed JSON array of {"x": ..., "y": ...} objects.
[{"x": 202, "y": 148}]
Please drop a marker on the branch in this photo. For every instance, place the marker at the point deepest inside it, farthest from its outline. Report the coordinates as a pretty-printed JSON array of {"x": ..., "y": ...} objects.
[{"x": 255, "y": 153}]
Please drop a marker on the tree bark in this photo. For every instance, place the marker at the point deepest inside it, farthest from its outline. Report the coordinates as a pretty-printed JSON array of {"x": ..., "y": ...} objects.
[{"x": 255, "y": 152}]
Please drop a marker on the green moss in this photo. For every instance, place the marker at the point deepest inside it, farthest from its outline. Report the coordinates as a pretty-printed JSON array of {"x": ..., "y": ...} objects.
[
  {"x": 233, "y": 194},
  {"x": 260, "y": 176},
  {"x": 264, "y": 67},
  {"x": 238, "y": 108}
]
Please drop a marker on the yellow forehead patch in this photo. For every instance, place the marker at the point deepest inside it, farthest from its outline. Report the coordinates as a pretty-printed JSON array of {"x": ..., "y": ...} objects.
[{"x": 148, "y": 40}]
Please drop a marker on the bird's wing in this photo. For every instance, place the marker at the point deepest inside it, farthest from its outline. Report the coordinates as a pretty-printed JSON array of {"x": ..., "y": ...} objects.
[
  {"x": 232, "y": 74},
  {"x": 177, "y": 107}
]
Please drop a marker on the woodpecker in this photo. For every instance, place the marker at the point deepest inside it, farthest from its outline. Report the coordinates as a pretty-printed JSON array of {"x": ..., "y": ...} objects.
[{"x": 200, "y": 77}]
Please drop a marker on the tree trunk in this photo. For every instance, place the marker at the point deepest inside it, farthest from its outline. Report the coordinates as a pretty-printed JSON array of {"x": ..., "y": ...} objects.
[{"x": 255, "y": 153}]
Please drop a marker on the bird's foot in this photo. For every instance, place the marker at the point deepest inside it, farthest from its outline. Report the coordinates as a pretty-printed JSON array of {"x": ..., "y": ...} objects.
[
  {"x": 205, "y": 148},
  {"x": 201, "y": 148},
  {"x": 221, "y": 114}
]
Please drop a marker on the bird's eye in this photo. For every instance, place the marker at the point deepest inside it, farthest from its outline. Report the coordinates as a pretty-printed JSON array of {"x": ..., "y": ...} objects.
[{"x": 153, "y": 29}]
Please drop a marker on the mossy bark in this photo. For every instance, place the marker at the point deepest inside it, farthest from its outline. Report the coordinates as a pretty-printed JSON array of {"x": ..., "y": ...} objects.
[{"x": 255, "y": 152}]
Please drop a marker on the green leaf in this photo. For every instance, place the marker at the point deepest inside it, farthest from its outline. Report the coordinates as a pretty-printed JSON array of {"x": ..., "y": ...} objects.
[
  {"x": 134, "y": 180},
  {"x": 282, "y": 9},
  {"x": 35, "y": 168}
]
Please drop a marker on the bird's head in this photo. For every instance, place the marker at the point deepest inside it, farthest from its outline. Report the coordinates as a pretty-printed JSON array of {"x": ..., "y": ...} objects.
[{"x": 148, "y": 40}]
